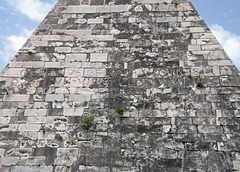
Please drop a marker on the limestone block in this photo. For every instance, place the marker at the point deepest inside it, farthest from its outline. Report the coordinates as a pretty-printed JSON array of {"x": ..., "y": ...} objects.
[
  {"x": 74, "y": 72},
  {"x": 54, "y": 97},
  {"x": 220, "y": 63},
  {"x": 102, "y": 37},
  {"x": 120, "y": 8},
  {"x": 52, "y": 65},
  {"x": 103, "y": 9},
  {"x": 46, "y": 135},
  {"x": 236, "y": 165},
  {"x": 8, "y": 127},
  {"x": 15, "y": 72},
  {"x": 196, "y": 29},
  {"x": 67, "y": 152},
  {"x": 212, "y": 47},
  {"x": 81, "y": 9},
  {"x": 76, "y": 57},
  {"x": 194, "y": 47},
  {"x": 16, "y": 98},
  {"x": 210, "y": 129},
  {"x": 5, "y": 120},
  {"x": 2, "y": 152},
  {"x": 32, "y": 64},
  {"x": 95, "y": 73},
  {"x": 32, "y": 160},
  {"x": 98, "y": 57},
  {"x": 29, "y": 127},
  {"x": 215, "y": 55},
  {"x": 62, "y": 90},
  {"x": 35, "y": 112},
  {"x": 73, "y": 112},
  {"x": 36, "y": 120},
  {"x": 67, "y": 38},
  {"x": 8, "y": 161},
  {"x": 32, "y": 169},
  {"x": 95, "y": 21},
  {"x": 79, "y": 98},
  {"x": 63, "y": 49},
  {"x": 29, "y": 134},
  {"x": 7, "y": 112}
]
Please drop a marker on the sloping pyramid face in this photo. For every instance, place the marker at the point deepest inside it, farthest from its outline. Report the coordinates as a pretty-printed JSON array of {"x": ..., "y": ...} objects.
[{"x": 154, "y": 60}]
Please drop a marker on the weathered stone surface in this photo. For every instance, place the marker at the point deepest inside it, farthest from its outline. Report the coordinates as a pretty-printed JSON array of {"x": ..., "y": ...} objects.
[{"x": 154, "y": 60}]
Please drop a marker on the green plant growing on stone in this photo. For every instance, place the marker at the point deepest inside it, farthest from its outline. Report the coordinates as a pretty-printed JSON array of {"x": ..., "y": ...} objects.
[
  {"x": 87, "y": 120},
  {"x": 198, "y": 81},
  {"x": 120, "y": 111}
]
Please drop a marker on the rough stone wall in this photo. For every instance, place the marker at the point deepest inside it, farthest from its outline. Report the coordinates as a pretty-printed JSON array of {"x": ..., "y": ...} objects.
[{"x": 90, "y": 57}]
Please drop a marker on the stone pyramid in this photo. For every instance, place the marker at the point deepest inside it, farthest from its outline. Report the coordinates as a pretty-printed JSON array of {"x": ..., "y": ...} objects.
[{"x": 164, "y": 94}]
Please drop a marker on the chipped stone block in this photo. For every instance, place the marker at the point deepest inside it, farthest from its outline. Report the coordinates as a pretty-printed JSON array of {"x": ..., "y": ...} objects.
[
  {"x": 34, "y": 64},
  {"x": 74, "y": 72},
  {"x": 29, "y": 127},
  {"x": 16, "y": 98}
]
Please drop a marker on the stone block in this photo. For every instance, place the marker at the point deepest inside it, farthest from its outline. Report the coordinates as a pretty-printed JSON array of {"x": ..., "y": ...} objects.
[
  {"x": 32, "y": 160},
  {"x": 67, "y": 152},
  {"x": 2, "y": 152},
  {"x": 29, "y": 127},
  {"x": 33, "y": 64},
  {"x": 52, "y": 65},
  {"x": 79, "y": 98},
  {"x": 8, "y": 161},
  {"x": 32, "y": 169},
  {"x": 220, "y": 63},
  {"x": 35, "y": 112},
  {"x": 16, "y": 98},
  {"x": 76, "y": 57},
  {"x": 73, "y": 112},
  {"x": 54, "y": 97},
  {"x": 81, "y": 9},
  {"x": 15, "y": 72},
  {"x": 5, "y": 120},
  {"x": 36, "y": 120},
  {"x": 95, "y": 73},
  {"x": 196, "y": 29},
  {"x": 74, "y": 72},
  {"x": 63, "y": 49},
  {"x": 46, "y": 135},
  {"x": 103, "y": 9},
  {"x": 7, "y": 112},
  {"x": 95, "y": 21},
  {"x": 98, "y": 57}
]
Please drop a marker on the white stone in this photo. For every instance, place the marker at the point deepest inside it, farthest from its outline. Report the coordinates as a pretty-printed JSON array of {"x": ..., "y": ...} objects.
[
  {"x": 16, "y": 98},
  {"x": 35, "y": 112},
  {"x": 5, "y": 120},
  {"x": 54, "y": 97},
  {"x": 76, "y": 57},
  {"x": 95, "y": 21},
  {"x": 73, "y": 112},
  {"x": 98, "y": 57},
  {"x": 74, "y": 72},
  {"x": 94, "y": 72},
  {"x": 63, "y": 49},
  {"x": 29, "y": 127},
  {"x": 7, "y": 112},
  {"x": 15, "y": 72},
  {"x": 36, "y": 120}
]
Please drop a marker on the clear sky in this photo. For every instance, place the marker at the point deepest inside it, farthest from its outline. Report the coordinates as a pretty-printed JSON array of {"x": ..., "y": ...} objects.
[{"x": 19, "y": 18}]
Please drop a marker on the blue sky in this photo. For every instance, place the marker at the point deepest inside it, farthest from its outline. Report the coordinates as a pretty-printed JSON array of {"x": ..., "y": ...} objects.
[{"x": 19, "y": 18}]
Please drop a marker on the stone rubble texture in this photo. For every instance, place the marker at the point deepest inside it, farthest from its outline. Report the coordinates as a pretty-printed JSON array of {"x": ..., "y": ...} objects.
[{"x": 90, "y": 57}]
